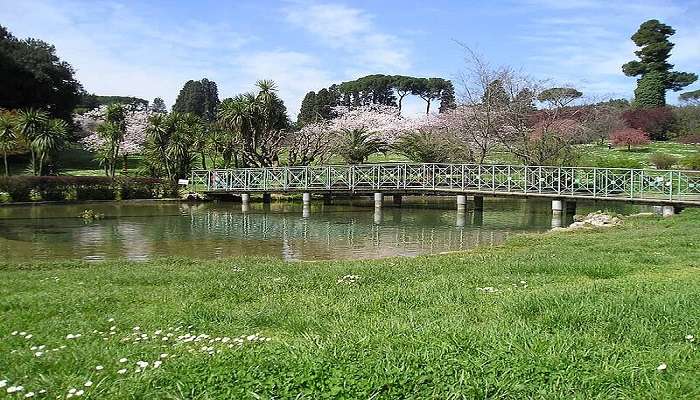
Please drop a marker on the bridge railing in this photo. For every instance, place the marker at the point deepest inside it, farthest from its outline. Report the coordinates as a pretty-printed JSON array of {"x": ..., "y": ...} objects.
[{"x": 645, "y": 184}]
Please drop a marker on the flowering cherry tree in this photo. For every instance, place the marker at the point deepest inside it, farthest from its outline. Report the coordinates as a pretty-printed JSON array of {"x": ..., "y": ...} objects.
[
  {"x": 134, "y": 138},
  {"x": 629, "y": 137}
]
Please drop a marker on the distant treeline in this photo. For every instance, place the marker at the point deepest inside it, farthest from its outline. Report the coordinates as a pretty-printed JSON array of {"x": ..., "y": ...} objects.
[{"x": 90, "y": 101}]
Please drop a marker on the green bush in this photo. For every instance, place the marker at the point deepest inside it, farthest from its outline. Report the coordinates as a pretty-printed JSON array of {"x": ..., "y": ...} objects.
[
  {"x": 60, "y": 188},
  {"x": 692, "y": 161},
  {"x": 616, "y": 163},
  {"x": 662, "y": 160}
]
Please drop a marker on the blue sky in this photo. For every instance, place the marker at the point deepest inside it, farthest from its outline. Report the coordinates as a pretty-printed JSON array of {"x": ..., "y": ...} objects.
[{"x": 150, "y": 48}]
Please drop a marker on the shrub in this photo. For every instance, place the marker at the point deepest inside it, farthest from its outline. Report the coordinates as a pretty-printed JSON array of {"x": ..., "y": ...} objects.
[
  {"x": 692, "y": 161},
  {"x": 693, "y": 138},
  {"x": 662, "y": 160},
  {"x": 617, "y": 163},
  {"x": 28, "y": 188},
  {"x": 629, "y": 137}
]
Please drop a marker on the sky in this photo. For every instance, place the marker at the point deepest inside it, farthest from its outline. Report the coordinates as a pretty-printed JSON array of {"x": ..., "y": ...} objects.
[{"x": 150, "y": 49}]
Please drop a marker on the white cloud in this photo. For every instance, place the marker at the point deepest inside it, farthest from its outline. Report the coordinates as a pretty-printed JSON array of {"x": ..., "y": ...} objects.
[{"x": 352, "y": 31}]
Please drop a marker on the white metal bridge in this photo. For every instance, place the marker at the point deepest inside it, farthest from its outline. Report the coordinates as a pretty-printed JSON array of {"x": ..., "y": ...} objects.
[{"x": 674, "y": 187}]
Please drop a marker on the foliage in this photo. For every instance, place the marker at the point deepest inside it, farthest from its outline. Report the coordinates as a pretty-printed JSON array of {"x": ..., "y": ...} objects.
[
  {"x": 653, "y": 67},
  {"x": 260, "y": 122},
  {"x": 692, "y": 97},
  {"x": 8, "y": 137},
  {"x": 158, "y": 106},
  {"x": 686, "y": 119},
  {"x": 629, "y": 137},
  {"x": 690, "y": 139},
  {"x": 559, "y": 96},
  {"x": 44, "y": 135},
  {"x": 169, "y": 150},
  {"x": 663, "y": 160},
  {"x": 423, "y": 146},
  {"x": 657, "y": 122},
  {"x": 357, "y": 144},
  {"x": 600, "y": 312},
  {"x": 63, "y": 188},
  {"x": 313, "y": 143},
  {"x": 90, "y": 102},
  {"x": 200, "y": 98},
  {"x": 32, "y": 76},
  {"x": 604, "y": 119}
]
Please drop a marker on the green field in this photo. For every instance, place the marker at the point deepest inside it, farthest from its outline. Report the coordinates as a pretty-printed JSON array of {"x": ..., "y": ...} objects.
[{"x": 586, "y": 314}]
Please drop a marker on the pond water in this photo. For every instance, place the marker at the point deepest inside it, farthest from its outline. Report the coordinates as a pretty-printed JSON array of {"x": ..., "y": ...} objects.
[{"x": 343, "y": 230}]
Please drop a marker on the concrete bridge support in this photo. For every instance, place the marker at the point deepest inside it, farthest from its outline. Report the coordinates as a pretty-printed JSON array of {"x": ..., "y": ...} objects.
[
  {"x": 557, "y": 206},
  {"x": 267, "y": 198},
  {"x": 397, "y": 199},
  {"x": 461, "y": 202},
  {"x": 378, "y": 215},
  {"x": 378, "y": 200},
  {"x": 245, "y": 202},
  {"x": 668, "y": 211},
  {"x": 461, "y": 219},
  {"x": 306, "y": 198}
]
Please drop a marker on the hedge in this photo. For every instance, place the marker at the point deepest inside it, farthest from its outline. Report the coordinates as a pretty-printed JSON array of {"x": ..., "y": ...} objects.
[{"x": 61, "y": 188}]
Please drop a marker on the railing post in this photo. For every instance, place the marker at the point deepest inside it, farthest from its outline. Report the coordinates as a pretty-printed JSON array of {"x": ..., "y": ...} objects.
[{"x": 559, "y": 180}]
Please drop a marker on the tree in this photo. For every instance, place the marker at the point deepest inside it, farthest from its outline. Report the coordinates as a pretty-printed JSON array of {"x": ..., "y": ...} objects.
[
  {"x": 656, "y": 75},
  {"x": 30, "y": 122},
  {"x": 200, "y": 98},
  {"x": 7, "y": 136},
  {"x": 692, "y": 97},
  {"x": 604, "y": 120},
  {"x": 33, "y": 76},
  {"x": 424, "y": 146},
  {"x": 308, "y": 112},
  {"x": 495, "y": 95},
  {"x": 403, "y": 86},
  {"x": 260, "y": 119},
  {"x": 169, "y": 151},
  {"x": 447, "y": 98},
  {"x": 629, "y": 137},
  {"x": 356, "y": 145},
  {"x": 558, "y": 96},
  {"x": 313, "y": 143},
  {"x": 654, "y": 121},
  {"x": 158, "y": 106}
]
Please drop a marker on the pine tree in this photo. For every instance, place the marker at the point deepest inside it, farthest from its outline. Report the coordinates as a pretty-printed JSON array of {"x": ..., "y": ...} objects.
[
  {"x": 158, "y": 106},
  {"x": 447, "y": 98},
  {"x": 307, "y": 113},
  {"x": 655, "y": 49}
]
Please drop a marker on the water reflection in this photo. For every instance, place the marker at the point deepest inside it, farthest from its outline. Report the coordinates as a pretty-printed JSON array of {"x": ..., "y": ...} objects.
[{"x": 321, "y": 230}]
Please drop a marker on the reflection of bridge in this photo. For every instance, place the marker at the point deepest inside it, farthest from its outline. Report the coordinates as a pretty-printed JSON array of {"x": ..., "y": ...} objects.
[{"x": 662, "y": 187}]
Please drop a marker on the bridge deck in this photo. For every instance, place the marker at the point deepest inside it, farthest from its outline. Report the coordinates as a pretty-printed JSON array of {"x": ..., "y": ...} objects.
[{"x": 619, "y": 184}]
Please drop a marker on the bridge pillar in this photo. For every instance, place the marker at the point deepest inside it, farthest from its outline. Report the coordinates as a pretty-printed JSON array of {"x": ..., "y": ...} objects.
[
  {"x": 461, "y": 219},
  {"x": 557, "y": 219},
  {"x": 461, "y": 202},
  {"x": 668, "y": 211},
  {"x": 478, "y": 202},
  {"x": 478, "y": 217},
  {"x": 378, "y": 215},
  {"x": 267, "y": 198},
  {"x": 306, "y": 198},
  {"x": 305, "y": 210},
  {"x": 378, "y": 200},
  {"x": 557, "y": 206},
  {"x": 245, "y": 202},
  {"x": 397, "y": 199}
]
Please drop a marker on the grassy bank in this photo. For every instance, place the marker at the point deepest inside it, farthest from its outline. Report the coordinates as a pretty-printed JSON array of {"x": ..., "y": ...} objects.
[{"x": 588, "y": 314}]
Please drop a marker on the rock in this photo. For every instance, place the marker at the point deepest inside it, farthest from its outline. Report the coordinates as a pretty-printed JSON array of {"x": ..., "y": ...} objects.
[{"x": 593, "y": 220}]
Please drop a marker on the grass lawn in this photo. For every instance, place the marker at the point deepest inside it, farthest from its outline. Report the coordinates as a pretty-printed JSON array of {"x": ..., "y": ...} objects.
[{"x": 588, "y": 314}]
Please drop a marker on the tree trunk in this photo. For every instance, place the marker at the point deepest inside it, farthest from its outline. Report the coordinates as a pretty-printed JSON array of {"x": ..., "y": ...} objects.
[
  {"x": 204, "y": 162},
  {"x": 126, "y": 161},
  {"x": 4, "y": 156},
  {"x": 427, "y": 109},
  {"x": 41, "y": 163}
]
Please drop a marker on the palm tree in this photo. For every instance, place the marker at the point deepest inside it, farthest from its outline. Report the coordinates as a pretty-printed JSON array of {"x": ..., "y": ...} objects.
[
  {"x": 48, "y": 139},
  {"x": 7, "y": 136},
  {"x": 29, "y": 123},
  {"x": 358, "y": 144}
]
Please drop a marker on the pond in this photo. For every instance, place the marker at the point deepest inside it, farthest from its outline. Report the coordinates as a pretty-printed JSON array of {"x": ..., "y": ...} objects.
[{"x": 342, "y": 230}]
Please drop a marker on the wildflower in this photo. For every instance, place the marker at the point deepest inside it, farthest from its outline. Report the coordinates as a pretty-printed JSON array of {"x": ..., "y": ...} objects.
[
  {"x": 42, "y": 391},
  {"x": 88, "y": 383},
  {"x": 690, "y": 338},
  {"x": 14, "y": 333},
  {"x": 122, "y": 371},
  {"x": 158, "y": 332},
  {"x": 123, "y": 360},
  {"x": 15, "y": 389},
  {"x": 29, "y": 336},
  {"x": 163, "y": 355},
  {"x": 3, "y": 383},
  {"x": 142, "y": 364},
  {"x": 99, "y": 368},
  {"x": 112, "y": 328},
  {"x": 79, "y": 392},
  {"x": 157, "y": 363},
  {"x": 137, "y": 328},
  {"x": 39, "y": 353},
  {"x": 110, "y": 320},
  {"x": 22, "y": 333},
  {"x": 662, "y": 367},
  {"x": 29, "y": 394}
]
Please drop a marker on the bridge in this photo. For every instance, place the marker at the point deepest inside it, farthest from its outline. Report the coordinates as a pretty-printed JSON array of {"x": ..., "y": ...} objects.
[{"x": 667, "y": 188}]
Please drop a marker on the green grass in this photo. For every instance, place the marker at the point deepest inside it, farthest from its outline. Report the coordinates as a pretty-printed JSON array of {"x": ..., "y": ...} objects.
[
  {"x": 598, "y": 312},
  {"x": 597, "y": 155}
]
